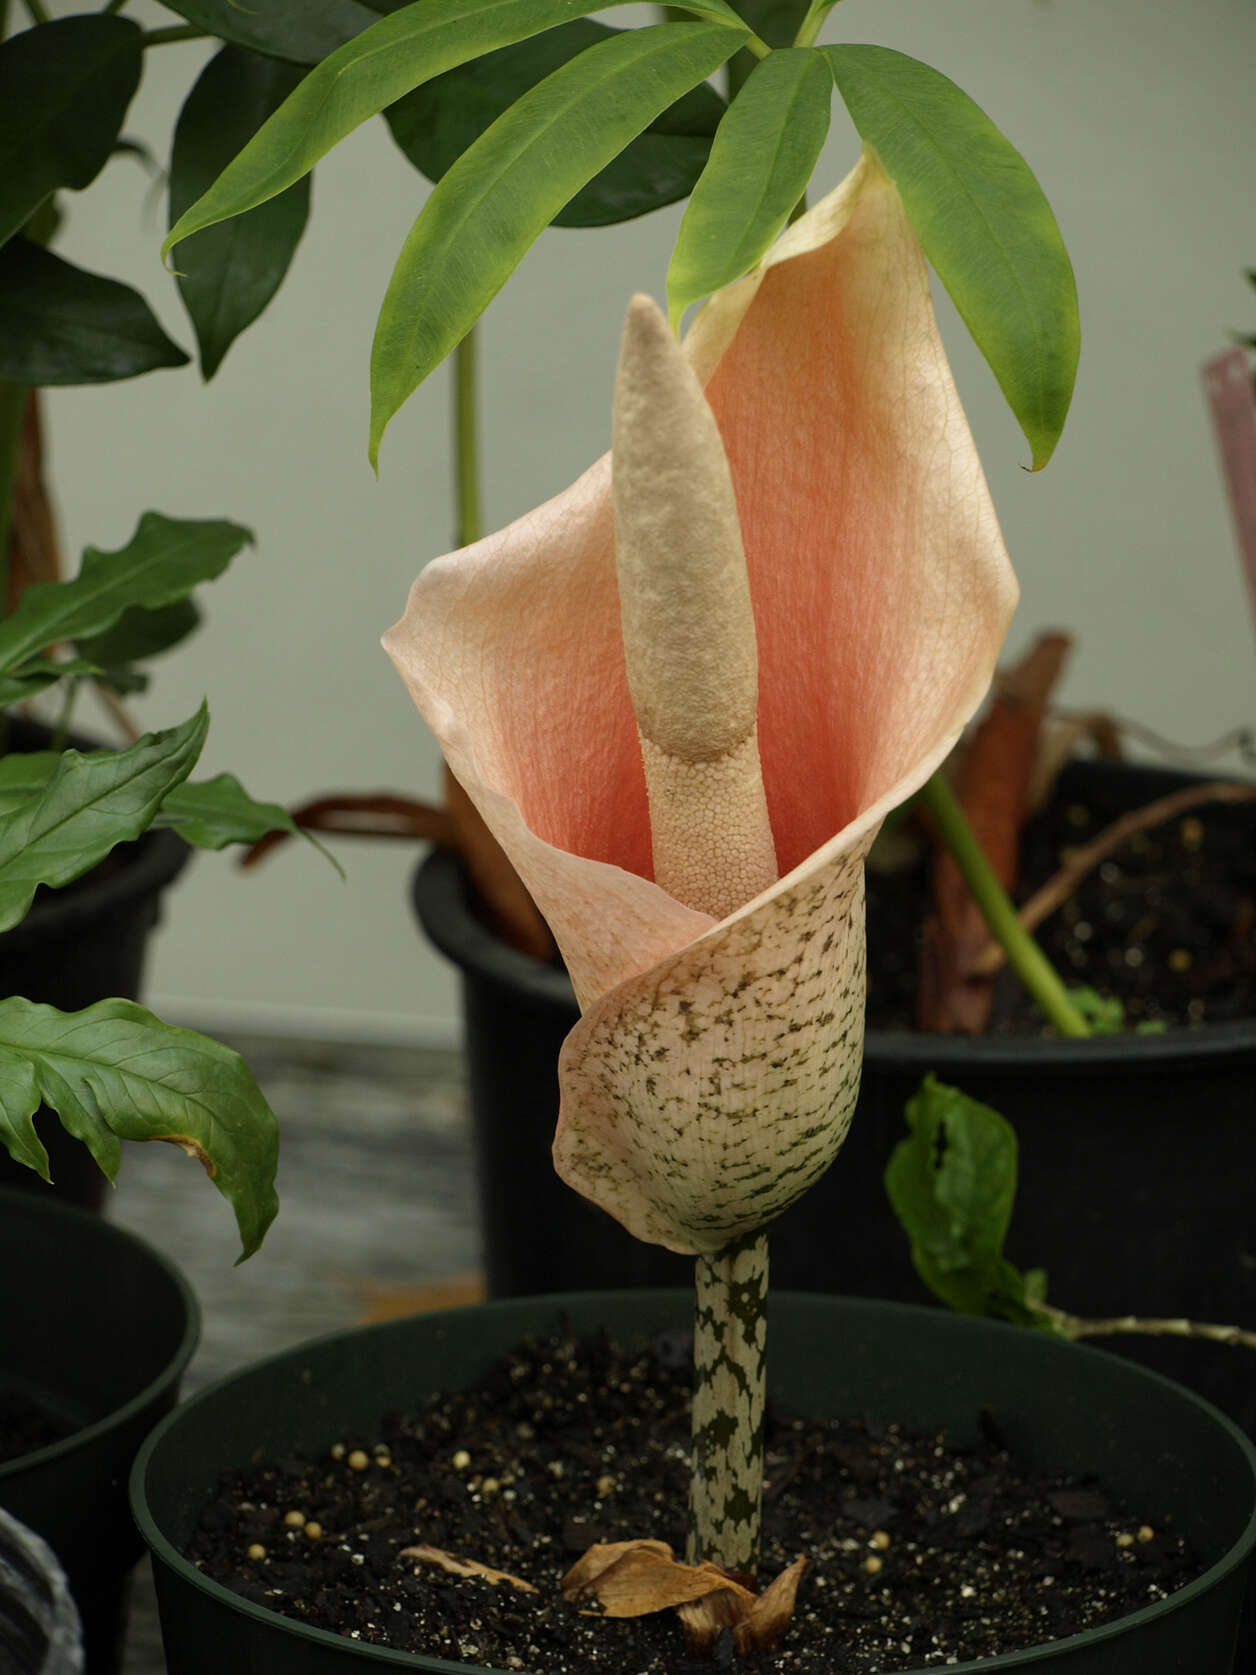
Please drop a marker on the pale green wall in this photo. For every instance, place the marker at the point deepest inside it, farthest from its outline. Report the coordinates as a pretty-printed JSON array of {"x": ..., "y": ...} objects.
[{"x": 1136, "y": 116}]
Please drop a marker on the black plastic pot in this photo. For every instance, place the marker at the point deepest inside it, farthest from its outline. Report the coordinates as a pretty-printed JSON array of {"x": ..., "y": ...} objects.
[
  {"x": 1149, "y": 1441},
  {"x": 79, "y": 945},
  {"x": 98, "y": 1328},
  {"x": 1137, "y": 1153}
]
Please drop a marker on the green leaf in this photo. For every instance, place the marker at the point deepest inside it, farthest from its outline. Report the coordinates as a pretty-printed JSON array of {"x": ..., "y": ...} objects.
[
  {"x": 232, "y": 271},
  {"x": 140, "y": 633},
  {"x": 491, "y": 206},
  {"x": 212, "y": 813},
  {"x": 374, "y": 70},
  {"x": 984, "y": 224},
  {"x": 28, "y": 682},
  {"x": 436, "y": 123},
  {"x": 162, "y": 562},
  {"x": 62, "y": 325},
  {"x": 760, "y": 163},
  {"x": 113, "y": 1071},
  {"x": 301, "y": 31},
  {"x": 64, "y": 90},
  {"x": 953, "y": 1185},
  {"x": 22, "y": 774},
  {"x": 89, "y": 804}
]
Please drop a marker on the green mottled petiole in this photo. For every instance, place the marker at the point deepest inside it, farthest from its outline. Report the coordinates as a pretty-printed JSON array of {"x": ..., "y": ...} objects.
[{"x": 729, "y": 1388}]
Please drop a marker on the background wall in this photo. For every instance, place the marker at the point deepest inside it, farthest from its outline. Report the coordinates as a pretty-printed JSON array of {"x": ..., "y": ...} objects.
[{"x": 1135, "y": 115}]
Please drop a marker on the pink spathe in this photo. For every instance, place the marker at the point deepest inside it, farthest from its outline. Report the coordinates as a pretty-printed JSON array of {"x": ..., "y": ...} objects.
[{"x": 713, "y": 1072}]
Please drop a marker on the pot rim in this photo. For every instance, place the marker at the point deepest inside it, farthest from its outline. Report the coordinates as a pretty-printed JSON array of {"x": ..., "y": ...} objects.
[
  {"x": 440, "y": 896},
  {"x": 388, "y": 1657},
  {"x": 14, "y": 1200}
]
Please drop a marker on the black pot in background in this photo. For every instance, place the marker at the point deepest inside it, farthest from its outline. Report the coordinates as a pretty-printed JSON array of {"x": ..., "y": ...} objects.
[
  {"x": 76, "y": 946},
  {"x": 1151, "y": 1443},
  {"x": 98, "y": 1328},
  {"x": 1137, "y": 1154}
]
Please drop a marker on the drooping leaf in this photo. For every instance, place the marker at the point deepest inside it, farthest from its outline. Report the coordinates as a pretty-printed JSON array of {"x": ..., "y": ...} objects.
[
  {"x": 485, "y": 214},
  {"x": 64, "y": 90},
  {"x": 114, "y": 1071},
  {"x": 300, "y": 31},
  {"x": 395, "y": 55},
  {"x": 211, "y": 813},
  {"x": 952, "y": 1185},
  {"x": 759, "y": 167},
  {"x": 90, "y": 803},
  {"x": 984, "y": 223},
  {"x": 28, "y": 682},
  {"x": 62, "y": 325},
  {"x": 435, "y": 124},
  {"x": 230, "y": 272},
  {"x": 162, "y": 562}
]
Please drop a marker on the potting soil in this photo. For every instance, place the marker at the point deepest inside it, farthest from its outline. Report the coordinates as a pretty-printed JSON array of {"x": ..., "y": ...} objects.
[
  {"x": 1166, "y": 925},
  {"x": 922, "y": 1553}
]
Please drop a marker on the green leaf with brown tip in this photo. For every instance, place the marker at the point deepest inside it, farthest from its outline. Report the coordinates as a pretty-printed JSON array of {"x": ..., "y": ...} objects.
[{"x": 115, "y": 1072}]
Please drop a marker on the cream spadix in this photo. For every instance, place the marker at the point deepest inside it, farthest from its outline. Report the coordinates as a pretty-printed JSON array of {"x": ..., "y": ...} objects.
[{"x": 688, "y": 627}]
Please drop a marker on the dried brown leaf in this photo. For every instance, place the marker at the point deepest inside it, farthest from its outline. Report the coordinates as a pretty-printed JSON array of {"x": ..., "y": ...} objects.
[
  {"x": 635, "y": 1578},
  {"x": 439, "y": 1559}
]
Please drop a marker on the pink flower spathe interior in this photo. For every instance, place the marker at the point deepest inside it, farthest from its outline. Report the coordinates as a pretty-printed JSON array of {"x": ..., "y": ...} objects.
[{"x": 713, "y": 1072}]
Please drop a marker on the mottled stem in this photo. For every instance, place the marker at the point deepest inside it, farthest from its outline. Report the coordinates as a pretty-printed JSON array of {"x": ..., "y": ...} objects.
[
  {"x": 1073, "y": 1327},
  {"x": 729, "y": 1374}
]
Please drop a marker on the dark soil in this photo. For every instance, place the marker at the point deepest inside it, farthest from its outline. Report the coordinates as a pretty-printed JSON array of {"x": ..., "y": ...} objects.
[
  {"x": 922, "y": 1553},
  {"x": 25, "y": 1425},
  {"x": 1167, "y": 926}
]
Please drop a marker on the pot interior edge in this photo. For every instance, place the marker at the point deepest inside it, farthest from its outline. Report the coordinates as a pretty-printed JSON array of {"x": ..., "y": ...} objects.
[
  {"x": 1150, "y": 1441},
  {"x": 141, "y": 1300}
]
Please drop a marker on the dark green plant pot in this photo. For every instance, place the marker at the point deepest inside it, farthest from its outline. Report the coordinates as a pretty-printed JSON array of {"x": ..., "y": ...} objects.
[
  {"x": 98, "y": 1328},
  {"x": 1151, "y": 1442}
]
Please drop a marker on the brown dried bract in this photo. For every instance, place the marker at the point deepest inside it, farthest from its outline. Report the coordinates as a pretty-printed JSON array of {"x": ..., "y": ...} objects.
[
  {"x": 439, "y": 1559},
  {"x": 757, "y": 1624},
  {"x": 634, "y": 1578}
]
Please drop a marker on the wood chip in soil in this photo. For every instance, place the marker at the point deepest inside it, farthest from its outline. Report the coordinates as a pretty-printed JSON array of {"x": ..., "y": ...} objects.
[{"x": 923, "y": 1553}]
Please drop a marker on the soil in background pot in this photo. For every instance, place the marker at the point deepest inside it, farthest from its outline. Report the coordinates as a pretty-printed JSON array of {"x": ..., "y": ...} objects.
[
  {"x": 1166, "y": 925},
  {"x": 923, "y": 1552}
]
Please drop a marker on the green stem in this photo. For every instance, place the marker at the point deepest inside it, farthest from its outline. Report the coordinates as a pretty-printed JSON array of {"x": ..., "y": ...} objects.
[
  {"x": 69, "y": 701},
  {"x": 113, "y": 6},
  {"x": 466, "y": 445},
  {"x": 39, "y": 13},
  {"x": 1023, "y": 953},
  {"x": 729, "y": 1383},
  {"x": 12, "y": 415},
  {"x": 1071, "y": 1326},
  {"x": 176, "y": 32},
  {"x": 811, "y": 25}
]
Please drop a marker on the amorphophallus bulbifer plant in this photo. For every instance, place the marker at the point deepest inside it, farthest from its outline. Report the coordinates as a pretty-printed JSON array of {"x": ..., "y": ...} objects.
[{"x": 687, "y": 753}]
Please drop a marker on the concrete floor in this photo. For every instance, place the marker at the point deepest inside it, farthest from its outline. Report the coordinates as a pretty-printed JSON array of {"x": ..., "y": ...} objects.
[{"x": 377, "y": 1217}]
